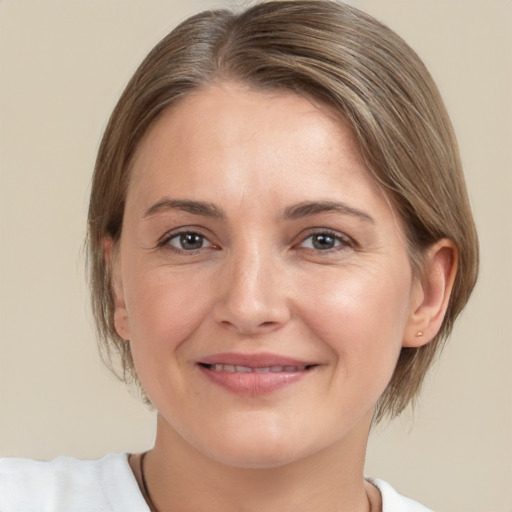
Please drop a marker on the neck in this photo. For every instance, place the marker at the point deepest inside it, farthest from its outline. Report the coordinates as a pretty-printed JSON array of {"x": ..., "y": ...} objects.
[{"x": 180, "y": 479}]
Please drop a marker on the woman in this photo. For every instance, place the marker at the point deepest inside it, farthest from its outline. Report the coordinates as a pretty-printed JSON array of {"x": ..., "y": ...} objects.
[{"x": 280, "y": 239}]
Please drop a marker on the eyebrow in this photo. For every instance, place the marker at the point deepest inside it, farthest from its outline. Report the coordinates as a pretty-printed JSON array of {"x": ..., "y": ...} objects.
[
  {"x": 186, "y": 205},
  {"x": 306, "y": 209}
]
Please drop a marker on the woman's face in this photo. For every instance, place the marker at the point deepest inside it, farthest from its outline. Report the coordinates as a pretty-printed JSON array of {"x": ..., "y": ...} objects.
[{"x": 261, "y": 278}]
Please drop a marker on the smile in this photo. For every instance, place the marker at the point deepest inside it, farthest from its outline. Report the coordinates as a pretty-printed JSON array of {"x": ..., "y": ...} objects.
[
  {"x": 248, "y": 369},
  {"x": 252, "y": 375}
]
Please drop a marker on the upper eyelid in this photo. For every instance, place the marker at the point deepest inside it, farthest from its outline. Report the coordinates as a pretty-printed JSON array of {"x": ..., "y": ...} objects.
[
  {"x": 341, "y": 243},
  {"x": 164, "y": 242},
  {"x": 326, "y": 231},
  {"x": 176, "y": 236},
  {"x": 304, "y": 235},
  {"x": 182, "y": 230}
]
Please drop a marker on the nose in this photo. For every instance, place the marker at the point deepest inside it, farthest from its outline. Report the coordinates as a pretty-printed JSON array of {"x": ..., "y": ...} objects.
[{"x": 253, "y": 297}]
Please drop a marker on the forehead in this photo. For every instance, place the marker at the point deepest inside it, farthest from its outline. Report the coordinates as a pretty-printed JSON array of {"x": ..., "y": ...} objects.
[
  {"x": 231, "y": 129},
  {"x": 254, "y": 156}
]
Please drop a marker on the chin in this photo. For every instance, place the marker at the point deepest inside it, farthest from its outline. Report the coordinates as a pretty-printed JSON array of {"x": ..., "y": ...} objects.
[
  {"x": 256, "y": 450},
  {"x": 255, "y": 458}
]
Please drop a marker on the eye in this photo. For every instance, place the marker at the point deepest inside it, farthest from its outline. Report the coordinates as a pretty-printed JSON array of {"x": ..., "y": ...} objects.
[
  {"x": 188, "y": 241},
  {"x": 325, "y": 241}
]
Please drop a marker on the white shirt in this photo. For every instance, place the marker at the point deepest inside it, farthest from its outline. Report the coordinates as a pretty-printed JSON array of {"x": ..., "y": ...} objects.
[{"x": 104, "y": 485}]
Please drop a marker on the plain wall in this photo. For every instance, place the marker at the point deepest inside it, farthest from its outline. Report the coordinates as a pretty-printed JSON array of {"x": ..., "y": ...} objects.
[{"x": 62, "y": 67}]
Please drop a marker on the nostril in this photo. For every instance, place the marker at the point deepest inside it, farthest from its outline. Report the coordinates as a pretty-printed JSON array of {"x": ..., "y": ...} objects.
[{"x": 249, "y": 314}]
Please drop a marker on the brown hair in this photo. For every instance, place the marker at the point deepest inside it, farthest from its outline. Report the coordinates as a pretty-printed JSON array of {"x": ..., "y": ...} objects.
[{"x": 327, "y": 51}]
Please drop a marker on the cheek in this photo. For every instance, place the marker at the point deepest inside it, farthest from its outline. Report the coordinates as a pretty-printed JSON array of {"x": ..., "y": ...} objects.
[
  {"x": 164, "y": 309},
  {"x": 360, "y": 314}
]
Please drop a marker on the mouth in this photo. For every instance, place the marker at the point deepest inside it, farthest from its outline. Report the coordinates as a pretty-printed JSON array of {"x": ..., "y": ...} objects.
[
  {"x": 254, "y": 375},
  {"x": 231, "y": 368}
]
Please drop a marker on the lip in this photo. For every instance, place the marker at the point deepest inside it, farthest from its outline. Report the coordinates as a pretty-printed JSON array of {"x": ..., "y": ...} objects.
[
  {"x": 282, "y": 372},
  {"x": 259, "y": 360}
]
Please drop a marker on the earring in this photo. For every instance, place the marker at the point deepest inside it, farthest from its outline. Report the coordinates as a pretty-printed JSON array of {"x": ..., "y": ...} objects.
[{"x": 419, "y": 334}]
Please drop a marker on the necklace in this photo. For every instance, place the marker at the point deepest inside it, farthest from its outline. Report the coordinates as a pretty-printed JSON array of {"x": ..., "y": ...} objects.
[
  {"x": 149, "y": 501},
  {"x": 152, "y": 506}
]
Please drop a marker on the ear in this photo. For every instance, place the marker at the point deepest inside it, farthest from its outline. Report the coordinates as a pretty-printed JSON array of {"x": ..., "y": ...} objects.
[
  {"x": 431, "y": 294},
  {"x": 121, "y": 319}
]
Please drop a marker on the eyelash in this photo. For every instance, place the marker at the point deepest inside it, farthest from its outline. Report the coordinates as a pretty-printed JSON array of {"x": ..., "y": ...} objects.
[
  {"x": 164, "y": 242},
  {"x": 341, "y": 241}
]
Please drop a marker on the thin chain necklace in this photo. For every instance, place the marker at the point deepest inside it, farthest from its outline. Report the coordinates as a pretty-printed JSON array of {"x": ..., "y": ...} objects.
[{"x": 152, "y": 506}]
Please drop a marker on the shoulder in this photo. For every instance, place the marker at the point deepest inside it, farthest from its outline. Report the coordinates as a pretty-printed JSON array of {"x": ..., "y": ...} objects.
[
  {"x": 394, "y": 502},
  {"x": 65, "y": 483}
]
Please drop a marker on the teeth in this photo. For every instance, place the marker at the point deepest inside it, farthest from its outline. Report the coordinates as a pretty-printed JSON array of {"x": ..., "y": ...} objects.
[{"x": 247, "y": 369}]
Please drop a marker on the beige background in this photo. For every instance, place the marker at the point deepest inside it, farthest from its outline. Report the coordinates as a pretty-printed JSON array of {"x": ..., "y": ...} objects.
[{"x": 62, "y": 67}]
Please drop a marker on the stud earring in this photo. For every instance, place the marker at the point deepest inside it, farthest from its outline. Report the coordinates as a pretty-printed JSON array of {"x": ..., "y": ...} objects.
[{"x": 419, "y": 334}]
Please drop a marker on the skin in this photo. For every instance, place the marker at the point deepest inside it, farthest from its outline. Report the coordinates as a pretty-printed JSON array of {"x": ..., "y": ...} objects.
[{"x": 330, "y": 286}]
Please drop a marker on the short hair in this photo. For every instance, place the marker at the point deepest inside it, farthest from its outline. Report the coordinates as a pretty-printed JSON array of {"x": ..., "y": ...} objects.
[{"x": 329, "y": 52}]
